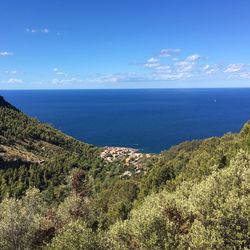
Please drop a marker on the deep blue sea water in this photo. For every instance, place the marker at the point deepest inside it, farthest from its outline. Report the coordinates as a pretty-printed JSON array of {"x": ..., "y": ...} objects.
[{"x": 148, "y": 119}]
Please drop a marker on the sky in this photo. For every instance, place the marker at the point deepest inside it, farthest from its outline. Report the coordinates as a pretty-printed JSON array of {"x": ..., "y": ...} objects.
[{"x": 75, "y": 44}]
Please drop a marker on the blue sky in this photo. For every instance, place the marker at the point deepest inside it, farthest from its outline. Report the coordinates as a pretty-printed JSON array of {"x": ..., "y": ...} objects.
[{"x": 124, "y": 44}]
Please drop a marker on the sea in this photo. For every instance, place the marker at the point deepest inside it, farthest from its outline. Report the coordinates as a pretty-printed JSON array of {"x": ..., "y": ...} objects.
[{"x": 150, "y": 120}]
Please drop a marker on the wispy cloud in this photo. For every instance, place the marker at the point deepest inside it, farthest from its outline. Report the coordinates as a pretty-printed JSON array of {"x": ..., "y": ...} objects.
[
  {"x": 62, "y": 82},
  {"x": 12, "y": 72},
  {"x": 184, "y": 66},
  {"x": 193, "y": 58},
  {"x": 34, "y": 30},
  {"x": 170, "y": 76},
  {"x": 72, "y": 80},
  {"x": 59, "y": 72},
  {"x": 152, "y": 63},
  {"x": 12, "y": 80},
  {"x": 194, "y": 66},
  {"x": 232, "y": 68},
  {"x": 6, "y": 53},
  {"x": 210, "y": 69},
  {"x": 164, "y": 68},
  {"x": 169, "y": 52},
  {"x": 177, "y": 69},
  {"x": 155, "y": 69},
  {"x": 117, "y": 78},
  {"x": 238, "y": 70}
]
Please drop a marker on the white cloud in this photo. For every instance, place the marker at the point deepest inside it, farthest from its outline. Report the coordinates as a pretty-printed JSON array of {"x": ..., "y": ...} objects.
[
  {"x": 193, "y": 58},
  {"x": 11, "y": 72},
  {"x": 184, "y": 66},
  {"x": 45, "y": 30},
  {"x": 117, "y": 78},
  {"x": 33, "y": 30},
  {"x": 72, "y": 80},
  {"x": 206, "y": 67},
  {"x": 59, "y": 72},
  {"x": 5, "y": 53},
  {"x": 15, "y": 80},
  {"x": 245, "y": 75},
  {"x": 190, "y": 67},
  {"x": 12, "y": 80},
  {"x": 152, "y": 63},
  {"x": 233, "y": 68},
  {"x": 169, "y": 52},
  {"x": 28, "y": 30},
  {"x": 210, "y": 69},
  {"x": 55, "y": 81},
  {"x": 156, "y": 68},
  {"x": 178, "y": 69},
  {"x": 238, "y": 71},
  {"x": 164, "y": 68},
  {"x": 171, "y": 76},
  {"x": 152, "y": 60},
  {"x": 112, "y": 78}
]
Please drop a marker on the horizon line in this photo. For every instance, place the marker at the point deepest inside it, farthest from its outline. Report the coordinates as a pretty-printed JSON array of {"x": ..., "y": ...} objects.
[{"x": 145, "y": 88}]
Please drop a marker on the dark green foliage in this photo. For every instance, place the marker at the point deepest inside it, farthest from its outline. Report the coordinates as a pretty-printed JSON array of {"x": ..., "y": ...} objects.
[
  {"x": 54, "y": 153},
  {"x": 190, "y": 161},
  {"x": 193, "y": 196},
  {"x": 113, "y": 203}
]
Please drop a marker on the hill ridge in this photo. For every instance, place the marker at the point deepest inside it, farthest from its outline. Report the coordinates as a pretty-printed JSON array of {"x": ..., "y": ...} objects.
[{"x": 4, "y": 103}]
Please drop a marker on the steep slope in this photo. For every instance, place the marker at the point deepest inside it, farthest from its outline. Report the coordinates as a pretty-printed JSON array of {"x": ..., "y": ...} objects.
[
  {"x": 36, "y": 154},
  {"x": 192, "y": 196},
  {"x": 193, "y": 161},
  {"x": 211, "y": 214},
  {"x": 31, "y": 141},
  {"x": 27, "y": 146},
  {"x": 5, "y": 104}
]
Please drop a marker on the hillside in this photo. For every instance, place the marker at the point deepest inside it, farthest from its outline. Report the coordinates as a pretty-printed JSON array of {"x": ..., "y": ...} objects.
[
  {"x": 59, "y": 193},
  {"x": 33, "y": 154},
  {"x": 31, "y": 141}
]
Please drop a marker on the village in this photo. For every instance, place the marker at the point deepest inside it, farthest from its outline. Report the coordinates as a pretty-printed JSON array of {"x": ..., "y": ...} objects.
[{"x": 130, "y": 157}]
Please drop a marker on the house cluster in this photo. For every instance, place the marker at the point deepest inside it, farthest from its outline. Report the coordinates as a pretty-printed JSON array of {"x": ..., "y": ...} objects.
[
  {"x": 111, "y": 154},
  {"x": 129, "y": 156}
]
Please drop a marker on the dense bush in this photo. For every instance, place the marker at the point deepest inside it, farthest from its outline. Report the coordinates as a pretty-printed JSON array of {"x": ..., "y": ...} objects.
[
  {"x": 193, "y": 196},
  {"x": 75, "y": 235},
  {"x": 20, "y": 221},
  {"x": 212, "y": 214}
]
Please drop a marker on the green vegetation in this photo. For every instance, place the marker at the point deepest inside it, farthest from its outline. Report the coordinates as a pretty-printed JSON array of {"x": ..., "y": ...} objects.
[
  {"x": 57, "y": 193},
  {"x": 211, "y": 214}
]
